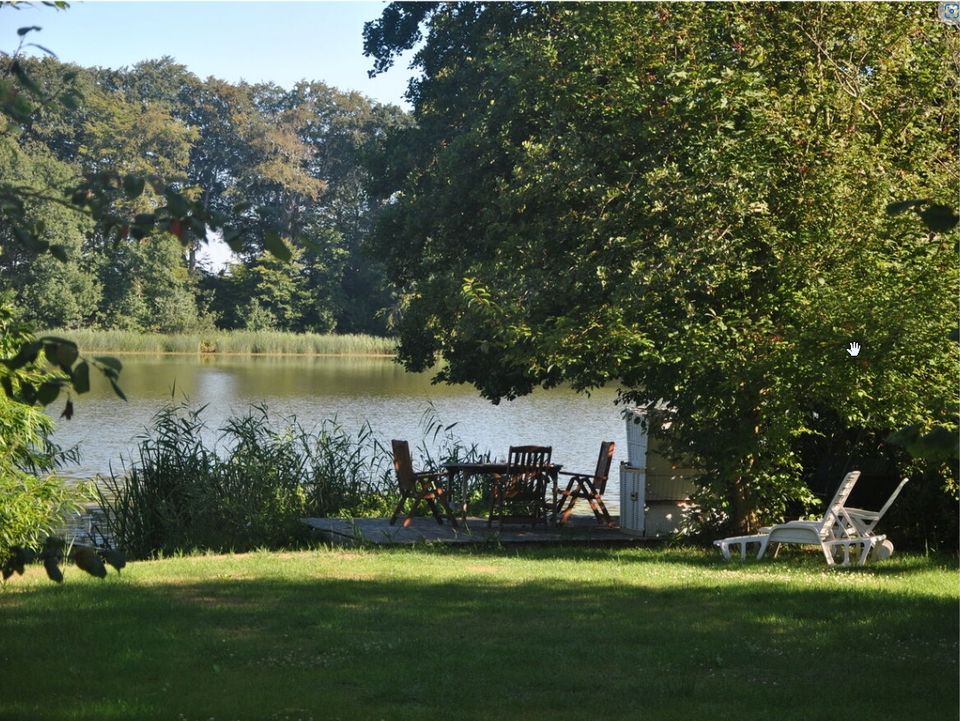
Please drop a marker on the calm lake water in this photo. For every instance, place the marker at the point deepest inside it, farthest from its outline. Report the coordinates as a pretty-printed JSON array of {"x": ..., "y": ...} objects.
[{"x": 352, "y": 390}]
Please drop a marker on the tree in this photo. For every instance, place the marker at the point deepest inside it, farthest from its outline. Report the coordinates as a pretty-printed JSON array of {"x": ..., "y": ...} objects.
[
  {"x": 53, "y": 293},
  {"x": 278, "y": 289},
  {"x": 25, "y": 383},
  {"x": 686, "y": 200}
]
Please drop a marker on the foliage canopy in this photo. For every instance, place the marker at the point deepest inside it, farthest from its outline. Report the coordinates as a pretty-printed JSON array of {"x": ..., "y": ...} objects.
[{"x": 690, "y": 201}]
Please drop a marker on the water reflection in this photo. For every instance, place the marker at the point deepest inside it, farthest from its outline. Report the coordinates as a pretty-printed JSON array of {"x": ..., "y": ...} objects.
[{"x": 353, "y": 390}]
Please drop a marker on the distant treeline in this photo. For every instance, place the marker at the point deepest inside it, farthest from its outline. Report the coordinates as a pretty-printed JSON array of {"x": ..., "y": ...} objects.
[
  {"x": 263, "y": 155},
  {"x": 230, "y": 342}
]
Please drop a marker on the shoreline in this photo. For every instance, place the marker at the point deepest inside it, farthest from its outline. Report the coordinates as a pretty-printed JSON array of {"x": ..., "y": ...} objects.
[
  {"x": 242, "y": 353},
  {"x": 232, "y": 343}
]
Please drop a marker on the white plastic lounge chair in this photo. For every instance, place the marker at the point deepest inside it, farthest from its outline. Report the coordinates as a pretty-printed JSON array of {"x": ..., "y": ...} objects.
[
  {"x": 861, "y": 523},
  {"x": 841, "y": 528},
  {"x": 828, "y": 532}
]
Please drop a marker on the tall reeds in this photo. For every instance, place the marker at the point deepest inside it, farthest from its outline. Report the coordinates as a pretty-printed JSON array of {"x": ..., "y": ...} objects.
[
  {"x": 240, "y": 342},
  {"x": 252, "y": 486},
  {"x": 249, "y": 489}
]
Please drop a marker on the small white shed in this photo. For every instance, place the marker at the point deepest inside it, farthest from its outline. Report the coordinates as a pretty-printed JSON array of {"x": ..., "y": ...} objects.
[{"x": 654, "y": 493}]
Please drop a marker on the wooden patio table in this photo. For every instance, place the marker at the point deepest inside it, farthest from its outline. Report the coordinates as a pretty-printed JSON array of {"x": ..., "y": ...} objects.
[{"x": 466, "y": 470}]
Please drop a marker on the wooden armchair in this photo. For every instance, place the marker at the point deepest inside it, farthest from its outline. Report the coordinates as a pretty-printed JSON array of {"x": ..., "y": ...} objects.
[
  {"x": 588, "y": 487},
  {"x": 522, "y": 488},
  {"x": 418, "y": 486}
]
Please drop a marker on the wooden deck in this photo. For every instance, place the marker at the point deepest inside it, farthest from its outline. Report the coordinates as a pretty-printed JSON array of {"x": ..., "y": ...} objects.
[{"x": 379, "y": 532}]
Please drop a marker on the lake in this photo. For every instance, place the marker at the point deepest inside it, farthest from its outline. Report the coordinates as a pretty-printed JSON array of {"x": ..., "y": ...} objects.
[{"x": 352, "y": 390}]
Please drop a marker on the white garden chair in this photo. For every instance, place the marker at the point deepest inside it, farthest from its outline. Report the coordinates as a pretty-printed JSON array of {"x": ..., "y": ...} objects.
[
  {"x": 835, "y": 531},
  {"x": 860, "y": 523}
]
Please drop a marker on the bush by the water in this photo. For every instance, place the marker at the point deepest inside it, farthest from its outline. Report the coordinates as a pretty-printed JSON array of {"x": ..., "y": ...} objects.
[
  {"x": 34, "y": 500},
  {"x": 252, "y": 487}
]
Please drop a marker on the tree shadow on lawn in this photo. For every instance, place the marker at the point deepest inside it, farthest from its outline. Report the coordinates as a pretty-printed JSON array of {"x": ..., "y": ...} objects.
[
  {"x": 488, "y": 647},
  {"x": 792, "y": 558}
]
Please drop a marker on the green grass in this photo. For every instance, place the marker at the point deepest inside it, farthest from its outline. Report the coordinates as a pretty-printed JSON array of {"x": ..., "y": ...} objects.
[
  {"x": 233, "y": 342},
  {"x": 559, "y": 635}
]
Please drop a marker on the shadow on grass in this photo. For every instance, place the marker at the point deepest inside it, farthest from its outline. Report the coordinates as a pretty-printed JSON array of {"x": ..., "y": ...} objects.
[
  {"x": 791, "y": 557},
  {"x": 376, "y": 647}
]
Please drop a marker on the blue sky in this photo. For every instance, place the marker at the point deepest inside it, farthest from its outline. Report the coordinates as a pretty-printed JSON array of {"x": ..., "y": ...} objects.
[{"x": 255, "y": 41}]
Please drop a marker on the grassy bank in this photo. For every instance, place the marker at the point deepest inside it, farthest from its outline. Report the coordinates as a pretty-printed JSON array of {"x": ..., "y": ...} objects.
[
  {"x": 233, "y": 342},
  {"x": 562, "y": 635}
]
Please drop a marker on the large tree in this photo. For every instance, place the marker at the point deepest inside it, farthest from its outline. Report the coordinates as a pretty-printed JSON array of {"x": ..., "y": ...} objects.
[{"x": 687, "y": 200}]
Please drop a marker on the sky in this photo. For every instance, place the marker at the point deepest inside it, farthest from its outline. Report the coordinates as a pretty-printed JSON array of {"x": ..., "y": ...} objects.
[{"x": 282, "y": 42}]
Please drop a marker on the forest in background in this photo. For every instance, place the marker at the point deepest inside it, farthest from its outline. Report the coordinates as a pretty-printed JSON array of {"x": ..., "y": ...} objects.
[{"x": 295, "y": 156}]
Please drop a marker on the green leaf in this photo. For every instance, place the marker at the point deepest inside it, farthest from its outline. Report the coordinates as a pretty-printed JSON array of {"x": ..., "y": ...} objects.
[
  {"x": 23, "y": 31},
  {"x": 115, "y": 558},
  {"x": 902, "y": 205},
  {"x": 27, "y": 354},
  {"x": 133, "y": 186},
  {"x": 52, "y": 567},
  {"x": 48, "y": 51},
  {"x": 55, "y": 339},
  {"x": 176, "y": 203},
  {"x": 24, "y": 79},
  {"x": 939, "y": 218},
  {"x": 233, "y": 237},
  {"x": 48, "y": 392},
  {"x": 116, "y": 389},
  {"x": 157, "y": 184},
  {"x": 28, "y": 394},
  {"x": 16, "y": 561},
  {"x": 87, "y": 560},
  {"x": 274, "y": 243},
  {"x": 65, "y": 353},
  {"x": 29, "y": 240},
  {"x": 81, "y": 377},
  {"x": 197, "y": 226},
  {"x": 109, "y": 362}
]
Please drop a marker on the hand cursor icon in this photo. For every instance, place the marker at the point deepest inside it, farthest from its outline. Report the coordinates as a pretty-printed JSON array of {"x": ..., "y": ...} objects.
[{"x": 854, "y": 349}]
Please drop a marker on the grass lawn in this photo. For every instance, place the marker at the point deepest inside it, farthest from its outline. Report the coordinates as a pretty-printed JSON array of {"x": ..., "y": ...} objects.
[{"x": 566, "y": 634}]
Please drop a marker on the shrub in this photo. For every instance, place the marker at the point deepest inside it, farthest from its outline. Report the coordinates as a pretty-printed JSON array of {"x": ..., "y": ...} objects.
[{"x": 35, "y": 501}]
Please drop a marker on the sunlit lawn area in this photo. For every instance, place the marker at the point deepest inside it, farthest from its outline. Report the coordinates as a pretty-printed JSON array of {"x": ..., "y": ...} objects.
[{"x": 429, "y": 634}]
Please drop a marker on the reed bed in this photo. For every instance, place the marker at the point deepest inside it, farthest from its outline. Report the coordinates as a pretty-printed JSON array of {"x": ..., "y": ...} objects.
[
  {"x": 248, "y": 490},
  {"x": 251, "y": 488},
  {"x": 234, "y": 342}
]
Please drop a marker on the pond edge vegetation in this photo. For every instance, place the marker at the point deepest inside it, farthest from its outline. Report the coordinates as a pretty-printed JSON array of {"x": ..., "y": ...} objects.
[
  {"x": 252, "y": 487},
  {"x": 237, "y": 342}
]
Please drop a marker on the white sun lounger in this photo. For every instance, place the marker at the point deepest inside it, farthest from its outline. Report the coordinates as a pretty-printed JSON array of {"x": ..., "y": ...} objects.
[{"x": 841, "y": 528}]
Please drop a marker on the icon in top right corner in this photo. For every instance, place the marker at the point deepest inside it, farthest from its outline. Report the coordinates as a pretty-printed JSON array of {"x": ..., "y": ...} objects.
[
  {"x": 949, "y": 13},
  {"x": 854, "y": 349}
]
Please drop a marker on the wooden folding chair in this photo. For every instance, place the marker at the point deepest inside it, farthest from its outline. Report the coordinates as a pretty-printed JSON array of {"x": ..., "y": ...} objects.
[
  {"x": 418, "y": 486},
  {"x": 588, "y": 487},
  {"x": 522, "y": 487}
]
